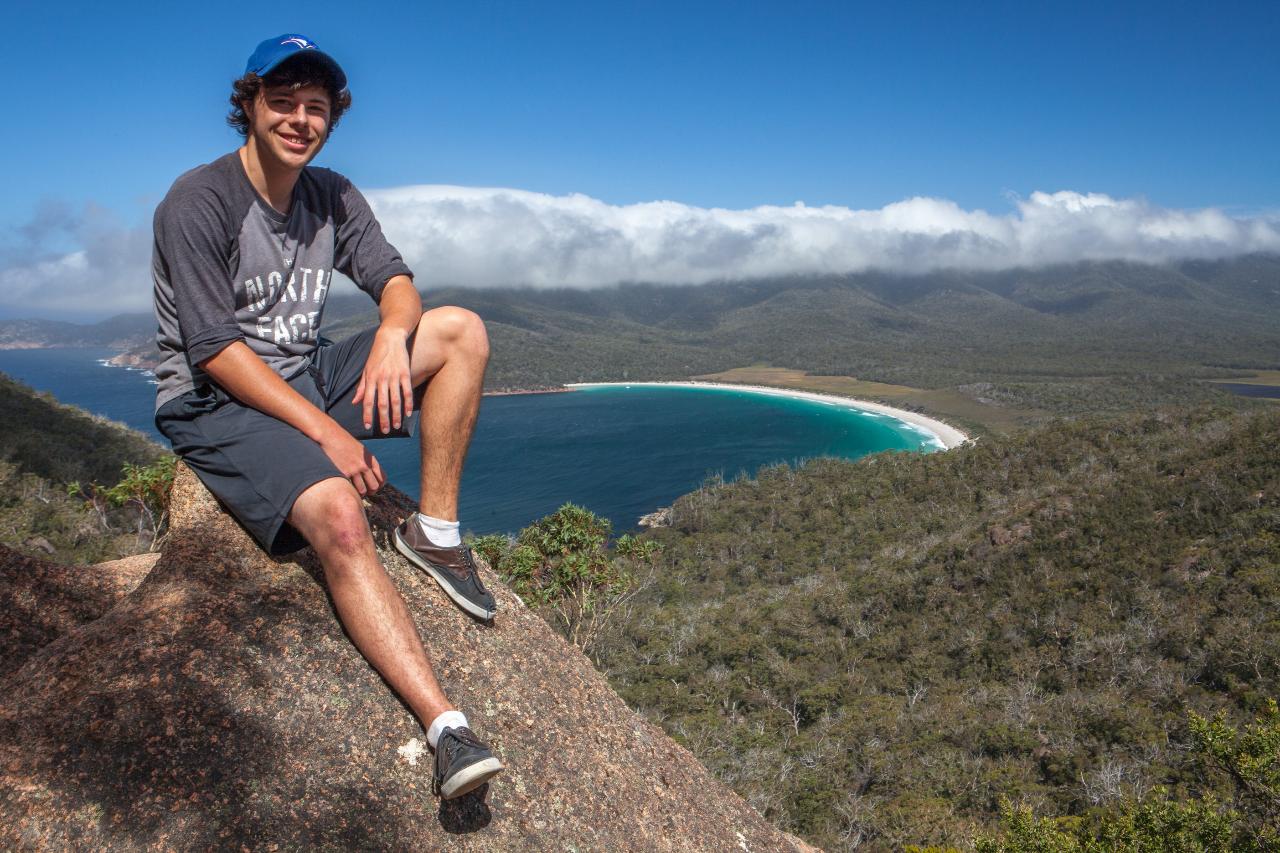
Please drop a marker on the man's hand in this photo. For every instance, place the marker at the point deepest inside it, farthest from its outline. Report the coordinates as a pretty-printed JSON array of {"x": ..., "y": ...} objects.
[
  {"x": 351, "y": 458},
  {"x": 386, "y": 384},
  {"x": 246, "y": 376}
]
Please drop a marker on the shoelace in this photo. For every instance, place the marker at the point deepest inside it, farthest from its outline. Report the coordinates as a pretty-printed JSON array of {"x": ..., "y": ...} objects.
[
  {"x": 451, "y": 739},
  {"x": 471, "y": 566},
  {"x": 467, "y": 737}
]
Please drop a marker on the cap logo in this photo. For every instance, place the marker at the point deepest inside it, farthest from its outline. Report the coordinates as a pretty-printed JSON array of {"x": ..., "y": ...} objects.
[{"x": 300, "y": 42}]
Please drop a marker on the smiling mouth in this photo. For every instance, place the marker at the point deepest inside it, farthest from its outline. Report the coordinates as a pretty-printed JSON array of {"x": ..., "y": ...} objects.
[{"x": 295, "y": 141}]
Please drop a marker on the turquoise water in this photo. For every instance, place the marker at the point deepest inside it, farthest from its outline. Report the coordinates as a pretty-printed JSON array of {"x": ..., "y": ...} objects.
[{"x": 619, "y": 451}]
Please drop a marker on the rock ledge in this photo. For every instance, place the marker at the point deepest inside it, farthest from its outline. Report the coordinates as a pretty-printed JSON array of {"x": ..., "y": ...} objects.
[{"x": 219, "y": 705}]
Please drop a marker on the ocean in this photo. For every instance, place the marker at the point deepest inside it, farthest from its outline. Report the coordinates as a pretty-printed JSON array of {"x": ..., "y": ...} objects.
[{"x": 619, "y": 451}]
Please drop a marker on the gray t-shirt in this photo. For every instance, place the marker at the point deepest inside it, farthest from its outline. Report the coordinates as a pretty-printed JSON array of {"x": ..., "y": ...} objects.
[{"x": 228, "y": 267}]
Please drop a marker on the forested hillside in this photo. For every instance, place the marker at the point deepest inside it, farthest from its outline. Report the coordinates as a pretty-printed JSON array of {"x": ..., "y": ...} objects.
[
  {"x": 1087, "y": 337},
  {"x": 65, "y": 482},
  {"x": 877, "y": 652}
]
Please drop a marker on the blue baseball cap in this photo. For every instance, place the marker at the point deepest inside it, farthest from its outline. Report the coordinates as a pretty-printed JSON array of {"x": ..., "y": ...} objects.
[{"x": 273, "y": 51}]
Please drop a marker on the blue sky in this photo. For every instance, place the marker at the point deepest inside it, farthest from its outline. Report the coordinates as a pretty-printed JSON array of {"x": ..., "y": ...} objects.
[
  {"x": 716, "y": 104},
  {"x": 713, "y": 105}
]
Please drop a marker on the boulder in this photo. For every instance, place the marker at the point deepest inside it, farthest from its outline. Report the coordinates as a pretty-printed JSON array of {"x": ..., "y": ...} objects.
[
  {"x": 219, "y": 705},
  {"x": 40, "y": 600},
  {"x": 660, "y": 517}
]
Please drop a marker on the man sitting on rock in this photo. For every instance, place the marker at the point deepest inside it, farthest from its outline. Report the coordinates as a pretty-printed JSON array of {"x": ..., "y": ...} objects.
[{"x": 269, "y": 414}]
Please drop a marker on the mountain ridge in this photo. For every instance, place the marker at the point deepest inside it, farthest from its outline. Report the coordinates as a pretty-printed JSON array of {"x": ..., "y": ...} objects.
[{"x": 1146, "y": 331}]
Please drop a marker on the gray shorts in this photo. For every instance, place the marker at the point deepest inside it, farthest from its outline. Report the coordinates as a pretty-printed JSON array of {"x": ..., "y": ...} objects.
[{"x": 257, "y": 465}]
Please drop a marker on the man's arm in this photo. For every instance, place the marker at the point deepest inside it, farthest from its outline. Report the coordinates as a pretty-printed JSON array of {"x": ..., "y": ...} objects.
[
  {"x": 244, "y": 375},
  {"x": 362, "y": 253},
  {"x": 239, "y": 371},
  {"x": 386, "y": 383}
]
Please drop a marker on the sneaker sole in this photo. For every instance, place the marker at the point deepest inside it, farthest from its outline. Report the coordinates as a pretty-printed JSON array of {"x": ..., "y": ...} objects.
[
  {"x": 469, "y": 778},
  {"x": 412, "y": 556}
]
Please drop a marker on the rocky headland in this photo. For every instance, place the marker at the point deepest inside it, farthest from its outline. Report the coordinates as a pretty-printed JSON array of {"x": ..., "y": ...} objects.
[{"x": 211, "y": 700}]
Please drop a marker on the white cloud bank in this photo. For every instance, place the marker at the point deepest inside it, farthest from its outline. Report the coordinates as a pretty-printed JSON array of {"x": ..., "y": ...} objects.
[
  {"x": 488, "y": 237},
  {"x": 496, "y": 236}
]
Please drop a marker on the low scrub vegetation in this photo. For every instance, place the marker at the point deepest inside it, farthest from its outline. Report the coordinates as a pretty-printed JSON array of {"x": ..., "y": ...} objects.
[
  {"x": 74, "y": 487},
  {"x": 879, "y": 653},
  {"x": 1237, "y": 812}
]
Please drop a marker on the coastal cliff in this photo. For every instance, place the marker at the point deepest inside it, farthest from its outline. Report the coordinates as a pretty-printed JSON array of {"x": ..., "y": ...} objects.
[{"x": 217, "y": 703}]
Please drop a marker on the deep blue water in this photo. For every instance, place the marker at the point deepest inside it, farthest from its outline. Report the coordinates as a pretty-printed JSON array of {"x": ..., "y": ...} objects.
[
  {"x": 75, "y": 376},
  {"x": 1246, "y": 390},
  {"x": 621, "y": 452}
]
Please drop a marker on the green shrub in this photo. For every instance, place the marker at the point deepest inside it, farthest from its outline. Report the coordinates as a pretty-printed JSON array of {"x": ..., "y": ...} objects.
[
  {"x": 142, "y": 488},
  {"x": 562, "y": 566}
]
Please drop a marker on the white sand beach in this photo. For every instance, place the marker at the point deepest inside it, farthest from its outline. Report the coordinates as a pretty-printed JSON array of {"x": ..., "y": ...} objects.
[{"x": 942, "y": 435}]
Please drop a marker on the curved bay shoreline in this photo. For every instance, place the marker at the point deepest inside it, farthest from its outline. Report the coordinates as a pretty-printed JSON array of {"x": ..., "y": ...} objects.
[{"x": 945, "y": 436}]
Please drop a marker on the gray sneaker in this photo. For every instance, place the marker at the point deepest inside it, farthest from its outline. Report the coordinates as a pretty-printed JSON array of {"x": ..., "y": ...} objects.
[
  {"x": 463, "y": 763},
  {"x": 453, "y": 568}
]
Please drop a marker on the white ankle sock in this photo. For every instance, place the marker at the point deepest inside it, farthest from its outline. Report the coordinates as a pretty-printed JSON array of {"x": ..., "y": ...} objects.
[
  {"x": 447, "y": 720},
  {"x": 443, "y": 534}
]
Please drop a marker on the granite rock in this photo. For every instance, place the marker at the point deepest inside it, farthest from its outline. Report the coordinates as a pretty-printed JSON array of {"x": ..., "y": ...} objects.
[
  {"x": 40, "y": 601},
  {"x": 218, "y": 705}
]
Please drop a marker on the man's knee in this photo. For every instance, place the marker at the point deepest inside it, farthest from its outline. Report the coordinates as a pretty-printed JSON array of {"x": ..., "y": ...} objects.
[
  {"x": 330, "y": 515},
  {"x": 458, "y": 330}
]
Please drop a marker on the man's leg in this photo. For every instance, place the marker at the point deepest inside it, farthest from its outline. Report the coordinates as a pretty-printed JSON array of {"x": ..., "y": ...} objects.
[
  {"x": 331, "y": 518},
  {"x": 450, "y": 352},
  {"x": 447, "y": 360}
]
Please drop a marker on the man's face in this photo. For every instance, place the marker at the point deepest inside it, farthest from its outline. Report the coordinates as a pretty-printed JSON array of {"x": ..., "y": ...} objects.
[{"x": 290, "y": 127}]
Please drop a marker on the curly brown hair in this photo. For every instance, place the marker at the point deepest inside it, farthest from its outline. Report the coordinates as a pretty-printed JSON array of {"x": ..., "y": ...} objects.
[{"x": 299, "y": 71}]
